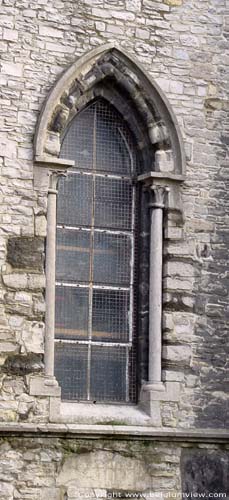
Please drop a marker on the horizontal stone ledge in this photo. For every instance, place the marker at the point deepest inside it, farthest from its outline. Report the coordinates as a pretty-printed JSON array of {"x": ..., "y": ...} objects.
[
  {"x": 53, "y": 162},
  {"x": 115, "y": 431},
  {"x": 150, "y": 176}
]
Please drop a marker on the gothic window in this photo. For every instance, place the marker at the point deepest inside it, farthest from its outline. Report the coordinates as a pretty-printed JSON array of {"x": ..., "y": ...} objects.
[{"x": 95, "y": 324}]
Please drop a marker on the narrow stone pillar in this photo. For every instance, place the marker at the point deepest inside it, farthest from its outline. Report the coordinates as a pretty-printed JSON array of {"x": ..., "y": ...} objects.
[
  {"x": 50, "y": 274},
  {"x": 155, "y": 282}
]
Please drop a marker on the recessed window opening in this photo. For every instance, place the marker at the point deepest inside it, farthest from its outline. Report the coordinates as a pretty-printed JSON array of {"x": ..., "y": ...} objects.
[{"x": 95, "y": 327}]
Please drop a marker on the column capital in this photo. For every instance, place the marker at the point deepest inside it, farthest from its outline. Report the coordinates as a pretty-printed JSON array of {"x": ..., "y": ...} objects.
[
  {"x": 54, "y": 176},
  {"x": 158, "y": 196}
]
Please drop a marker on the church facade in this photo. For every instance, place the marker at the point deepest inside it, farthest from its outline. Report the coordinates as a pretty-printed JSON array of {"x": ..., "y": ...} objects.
[{"x": 114, "y": 249}]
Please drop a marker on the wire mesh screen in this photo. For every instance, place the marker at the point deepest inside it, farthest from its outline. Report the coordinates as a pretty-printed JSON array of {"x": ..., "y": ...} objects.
[
  {"x": 98, "y": 135},
  {"x": 113, "y": 207},
  {"x": 110, "y": 383},
  {"x": 110, "y": 315},
  {"x": 78, "y": 142},
  {"x": 72, "y": 305},
  {"x": 95, "y": 332},
  {"x": 73, "y": 255},
  {"x": 112, "y": 257},
  {"x": 74, "y": 200},
  {"x": 71, "y": 369}
]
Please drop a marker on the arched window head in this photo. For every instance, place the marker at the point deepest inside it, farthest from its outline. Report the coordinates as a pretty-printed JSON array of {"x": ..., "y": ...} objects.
[{"x": 95, "y": 328}]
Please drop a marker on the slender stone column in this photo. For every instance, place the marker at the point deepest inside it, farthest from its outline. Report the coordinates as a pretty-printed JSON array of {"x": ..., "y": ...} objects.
[
  {"x": 50, "y": 273},
  {"x": 155, "y": 287}
]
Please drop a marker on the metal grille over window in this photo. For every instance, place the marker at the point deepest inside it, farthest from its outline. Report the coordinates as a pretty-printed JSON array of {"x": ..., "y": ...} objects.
[{"x": 95, "y": 333}]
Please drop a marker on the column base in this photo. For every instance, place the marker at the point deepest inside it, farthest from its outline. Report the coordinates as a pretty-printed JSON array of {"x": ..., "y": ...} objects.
[
  {"x": 154, "y": 393},
  {"x": 148, "y": 403},
  {"x": 41, "y": 385}
]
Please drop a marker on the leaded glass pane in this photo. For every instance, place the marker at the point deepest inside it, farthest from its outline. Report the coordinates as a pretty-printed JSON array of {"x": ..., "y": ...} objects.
[
  {"x": 110, "y": 315},
  {"x": 113, "y": 203},
  {"x": 73, "y": 255},
  {"x": 74, "y": 203},
  {"x": 108, "y": 373},
  {"x": 72, "y": 312},
  {"x": 111, "y": 143},
  {"x": 71, "y": 361},
  {"x": 112, "y": 258},
  {"x": 77, "y": 144},
  {"x": 95, "y": 356}
]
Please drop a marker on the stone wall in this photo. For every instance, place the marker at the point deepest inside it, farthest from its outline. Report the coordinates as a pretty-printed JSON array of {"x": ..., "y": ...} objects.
[
  {"x": 182, "y": 44},
  {"x": 70, "y": 469}
]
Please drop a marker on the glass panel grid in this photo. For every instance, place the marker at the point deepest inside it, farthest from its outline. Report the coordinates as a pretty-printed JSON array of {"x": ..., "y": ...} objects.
[
  {"x": 71, "y": 312},
  {"x": 99, "y": 138},
  {"x": 71, "y": 370},
  {"x": 112, "y": 150},
  {"x": 110, "y": 315},
  {"x": 112, "y": 258},
  {"x": 74, "y": 201},
  {"x": 77, "y": 144},
  {"x": 73, "y": 255},
  {"x": 110, "y": 382},
  {"x": 104, "y": 204},
  {"x": 113, "y": 207}
]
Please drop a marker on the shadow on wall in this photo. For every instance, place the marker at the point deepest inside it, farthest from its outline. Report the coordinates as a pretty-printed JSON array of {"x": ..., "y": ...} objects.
[{"x": 205, "y": 472}]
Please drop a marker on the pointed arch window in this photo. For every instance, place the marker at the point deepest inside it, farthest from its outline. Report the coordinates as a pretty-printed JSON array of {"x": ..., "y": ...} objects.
[{"x": 95, "y": 323}]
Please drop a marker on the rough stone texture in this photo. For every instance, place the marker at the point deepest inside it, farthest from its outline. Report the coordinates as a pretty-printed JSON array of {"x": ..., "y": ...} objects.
[
  {"x": 205, "y": 471},
  {"x": 22, "y": 365},
  {"x": 26, "y": 253},
  {"x": 72, "y": 468},
  {"x": 183, "y": 45}
]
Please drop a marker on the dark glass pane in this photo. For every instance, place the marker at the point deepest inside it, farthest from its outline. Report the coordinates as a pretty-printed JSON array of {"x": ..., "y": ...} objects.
[
  {"x": 74, "y": 201},
  {"x": 99, "y": 140},
  {"x": 71, "y": 313},
  {"x": 73, "y": 255},
  {"x": 112, "y": 153},
  {"x": 112, "y": 254},
  {"x": 71, "y": 370},
  {"x": 110, "y": 315},
  {"x": 77, "y": 144},
  {"x": 108, "y": 373},
  {"x": 113, "y": 203}
]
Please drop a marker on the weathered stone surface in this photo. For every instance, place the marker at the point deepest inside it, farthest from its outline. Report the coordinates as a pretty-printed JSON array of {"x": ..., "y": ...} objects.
[
  {"x": 121, "y": 472},
  {"x": 174, "y": 2},
  {"x": 15, "y": 281},
  {"x": 60, "y": 468},
  {"x": 42, "y": 386},
  {"x": 205, "y": 471},
  {"x": 21, "y": 281},
  {"x": 177, "y": 354},
  {"x": 183, "y": 46},
  {"x": 22, "y": 365},
  {"x": 41, "y": 226},
  {"x": 26, "y": 253}
]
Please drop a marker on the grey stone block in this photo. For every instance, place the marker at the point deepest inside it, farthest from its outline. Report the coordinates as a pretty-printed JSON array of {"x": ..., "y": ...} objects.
[
  {"x": 22, "y": 364},
  {"x": 43, "y": 386},
  {"x": 26, "y": 253}
]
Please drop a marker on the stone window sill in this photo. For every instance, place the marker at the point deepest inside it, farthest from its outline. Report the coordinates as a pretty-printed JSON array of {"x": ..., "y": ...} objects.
[
  {"x": 147, "y": 413},
  {"x": 98, "y": 414}
]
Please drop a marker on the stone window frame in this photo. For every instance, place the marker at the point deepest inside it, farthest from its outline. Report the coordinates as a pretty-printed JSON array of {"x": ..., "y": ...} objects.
[{"x": 157, "y": 129}]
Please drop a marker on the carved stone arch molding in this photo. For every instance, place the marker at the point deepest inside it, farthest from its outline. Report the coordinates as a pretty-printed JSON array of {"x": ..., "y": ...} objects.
[{"x": 111, "y": 73}]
